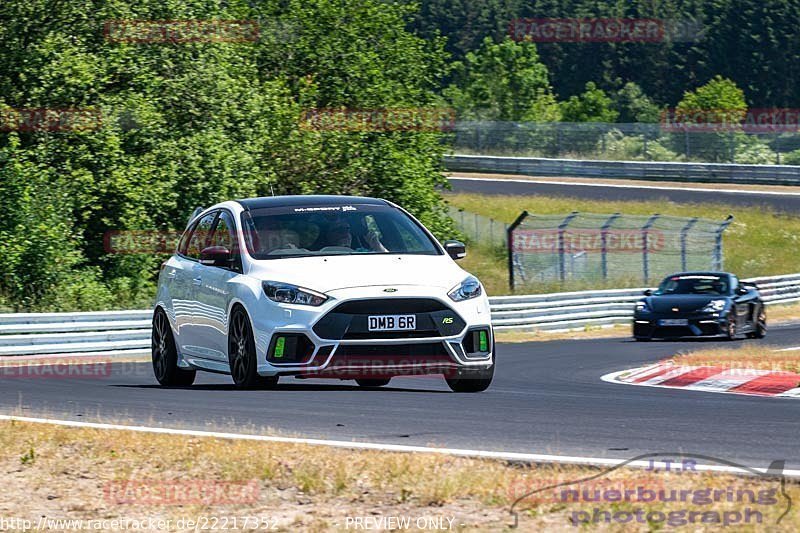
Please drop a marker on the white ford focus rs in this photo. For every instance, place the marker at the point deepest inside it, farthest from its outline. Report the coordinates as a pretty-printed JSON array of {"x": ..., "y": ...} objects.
[{"x": 319, "y": 286}]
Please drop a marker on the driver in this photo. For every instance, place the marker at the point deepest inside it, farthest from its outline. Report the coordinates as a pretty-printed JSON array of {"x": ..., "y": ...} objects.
[{"x": 339, "y": 233}]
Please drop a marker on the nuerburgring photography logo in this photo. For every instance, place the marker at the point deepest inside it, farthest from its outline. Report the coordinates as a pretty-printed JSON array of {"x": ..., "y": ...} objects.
[{"x": 670, "y": 494}]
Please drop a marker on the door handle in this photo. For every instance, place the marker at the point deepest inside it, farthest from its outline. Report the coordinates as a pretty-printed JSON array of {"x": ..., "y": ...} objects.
[
  {"x": 197, "y": 281},
  {"x": 171, "y": 274}
]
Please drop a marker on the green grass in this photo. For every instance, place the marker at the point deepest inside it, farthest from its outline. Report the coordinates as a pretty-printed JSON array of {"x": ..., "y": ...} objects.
[{"x": 760, "y": 242}]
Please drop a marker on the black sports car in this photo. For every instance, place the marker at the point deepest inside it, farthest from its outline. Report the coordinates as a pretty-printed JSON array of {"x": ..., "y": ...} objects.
[{"x": 700, "y": 304}]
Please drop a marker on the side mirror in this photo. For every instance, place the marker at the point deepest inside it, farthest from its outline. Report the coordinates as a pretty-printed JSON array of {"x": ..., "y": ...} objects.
[
  {"x": 741, "y": 291},
  {"x": 648, "y": 292},
  {"x": 455, "y": 249},
  {"x": 216, "y": 256}
]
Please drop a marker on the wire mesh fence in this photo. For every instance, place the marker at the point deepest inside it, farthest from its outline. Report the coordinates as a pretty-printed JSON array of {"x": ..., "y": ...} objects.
[
  {"x": 634, "y": 141},
  {"x": 593, "y": 247},
  {"x": 480, "y": 229}
]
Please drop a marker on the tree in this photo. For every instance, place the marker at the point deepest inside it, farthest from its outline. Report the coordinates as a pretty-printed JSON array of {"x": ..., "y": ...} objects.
[
  {"x": 719, "y": 94},
  {"x": 503, "y": 81},
  {"x": 633, "y": 105},
  {"x": 593, "y": 105},
  {"x": 714, "y": 111},
  {"x": 187, "y": 124}
]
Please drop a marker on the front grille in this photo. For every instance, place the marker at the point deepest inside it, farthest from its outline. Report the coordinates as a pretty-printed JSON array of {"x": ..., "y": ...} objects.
[
  {"x": 418, "y": 334},
  {"x": 349, "y": 320},
  {"x": 390, "y": 306},
  {"x": 432, "y": 349},
  {"x": 386, "y": 361},
  {"x": 673, "y": 332}
]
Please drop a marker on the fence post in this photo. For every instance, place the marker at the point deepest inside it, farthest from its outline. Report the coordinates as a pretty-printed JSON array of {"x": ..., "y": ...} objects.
[
  {"x": 510, "y": 242},
  {"x": 558, "y": 140},
  {"x": 684, "y": 231},
  {"x": 604, "y": 244},
  {"x": 645, "y": 251},
  {"x": 717, "y": 261},
  {"x": 562, "y": 274},
  {"x": 686, "y": 142}
]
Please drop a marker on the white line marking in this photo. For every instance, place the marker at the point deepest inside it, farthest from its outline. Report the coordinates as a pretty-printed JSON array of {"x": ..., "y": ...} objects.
[
  {"x": 506, "y": 456},
  {"x": 792, "y": 349},
  {"x": 632, "y": 186}
]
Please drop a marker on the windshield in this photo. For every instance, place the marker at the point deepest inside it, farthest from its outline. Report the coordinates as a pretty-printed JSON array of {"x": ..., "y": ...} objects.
[
  {"x": 695, "y": 284},
  {"x": 296, "y": 231}
]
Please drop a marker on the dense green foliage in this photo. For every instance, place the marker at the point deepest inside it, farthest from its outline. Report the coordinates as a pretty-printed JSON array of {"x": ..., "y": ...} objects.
[
  {"x": 190, "y": 124},
  {"x": 503, "y": 81},
  {"x": 187, "y": 124},
  {"x": 755, "y": 43}
]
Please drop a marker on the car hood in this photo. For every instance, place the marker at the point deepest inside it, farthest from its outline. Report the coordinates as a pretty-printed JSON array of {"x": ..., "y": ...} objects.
[
  {"x": 683, "y": 302},
  {"x": 328, "y": 273}
]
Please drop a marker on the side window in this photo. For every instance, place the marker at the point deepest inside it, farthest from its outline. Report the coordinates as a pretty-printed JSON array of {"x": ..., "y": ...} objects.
[
  {"x": 184, "y": 242},
  {"x": 734, "y": 284},
  {"x": 200, "y": 236},
  {"x": 225, "y": 233}
]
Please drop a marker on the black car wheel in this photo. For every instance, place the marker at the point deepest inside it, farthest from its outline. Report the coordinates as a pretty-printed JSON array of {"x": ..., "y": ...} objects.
[
  {"x": 731, "y": 329},
  {"x": 242, "y": 354},
  {"x": 761, "y": 326},
  {"x": 165, "y": 354},
  {"x": 373, "y": 382}
]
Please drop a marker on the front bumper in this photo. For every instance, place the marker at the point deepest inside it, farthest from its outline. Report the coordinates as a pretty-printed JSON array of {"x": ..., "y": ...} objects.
[
  {"x": 652, "y": 326},
  {"x": 334, "y": 341}
]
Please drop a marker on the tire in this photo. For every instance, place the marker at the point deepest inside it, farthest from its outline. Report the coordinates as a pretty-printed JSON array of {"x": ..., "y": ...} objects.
[
  {"x": 164, "y": 354},
  {"x": 730, "y": 330},
  {"x": 242, "y": 354},
  {"x": 373, "y": 382},
  {"x": 761, "y": 326},
  {"x": 471, "y": 382}
]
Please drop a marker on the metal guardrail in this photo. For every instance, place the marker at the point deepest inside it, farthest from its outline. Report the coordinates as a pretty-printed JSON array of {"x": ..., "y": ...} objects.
[
  {"x": 120, "y": 332},
  {"x": 128, "y": 332},
  {"x": 642, "y": 170}
]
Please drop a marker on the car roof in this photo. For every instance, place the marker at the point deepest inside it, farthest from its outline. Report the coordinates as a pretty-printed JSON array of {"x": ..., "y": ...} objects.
[
  {"x": 700, "y": 273},
  {"x": 309, "y": 200}
]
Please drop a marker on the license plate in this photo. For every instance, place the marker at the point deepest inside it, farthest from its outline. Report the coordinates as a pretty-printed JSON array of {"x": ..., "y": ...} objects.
[
  {"x": 392, "y": 323},
  {"x": 673, "y": 322}
]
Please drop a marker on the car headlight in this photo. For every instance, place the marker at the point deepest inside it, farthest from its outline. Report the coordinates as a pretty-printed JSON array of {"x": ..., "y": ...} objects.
[
  {"x": 714, "y": 306},
  {"x": 292, "y": 294},
  {"x": 642, "y": 306},
  {"x": 466, "y": 290}
]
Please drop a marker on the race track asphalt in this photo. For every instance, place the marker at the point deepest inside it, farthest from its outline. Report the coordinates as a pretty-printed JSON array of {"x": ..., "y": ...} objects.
[
  {"x": 776, "y": 202},
  {"x": 547, "y": 397}
]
